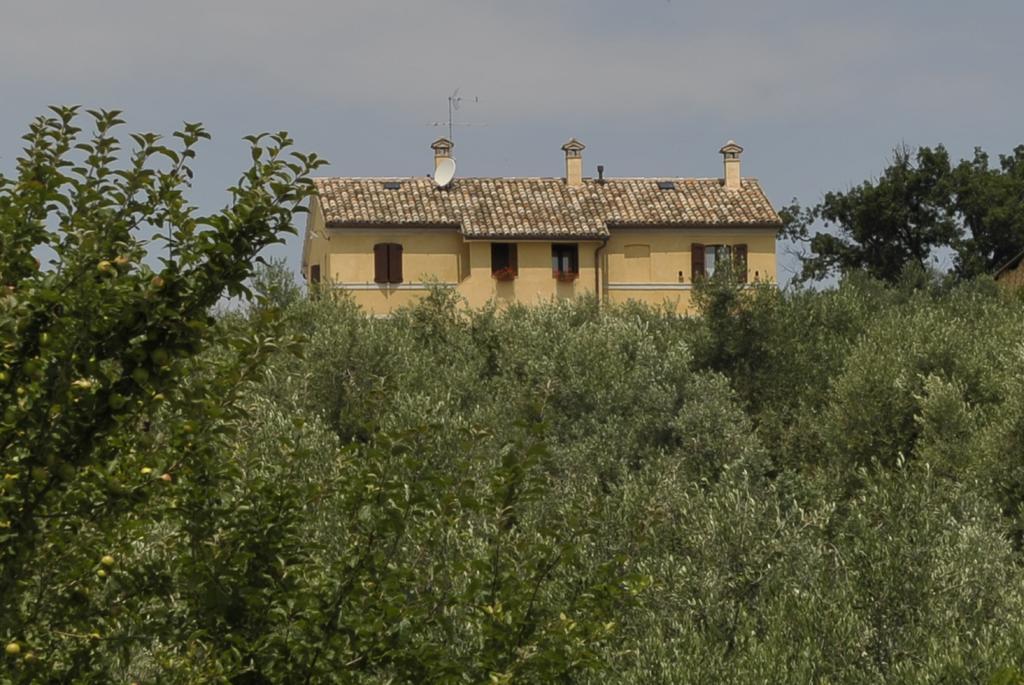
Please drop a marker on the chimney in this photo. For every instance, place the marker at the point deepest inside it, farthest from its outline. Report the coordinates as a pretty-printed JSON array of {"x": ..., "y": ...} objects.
[
  {"x": 573, "y": 163},
  {"x": 442, "y": 148},
  {"x": 731, "y": 155}
]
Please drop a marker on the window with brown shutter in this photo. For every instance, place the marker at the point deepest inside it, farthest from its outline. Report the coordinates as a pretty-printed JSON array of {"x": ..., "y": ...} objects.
[
  {"x": 380, "y": 263},
  {"x": 709, "y": 260},
  {"x": 697, "y": 261},
  {"x": 395, "y": 263},
  {"x": 314, "y": 273},
  {"x": 739, "y": 256},
  {"x": 387, "y": 263}
]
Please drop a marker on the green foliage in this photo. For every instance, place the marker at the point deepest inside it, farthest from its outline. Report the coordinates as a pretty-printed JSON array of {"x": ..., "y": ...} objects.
[
  {"x": 186, "y": 500},
  {"x": 798, "y": 484},
  {"x": 274, "y": 284},
  {"x": 882, "y": 225},
  {"x": 917, "y": 373},
  {"x": 100, "y": 437},
  {"x": 991, "y": 204},
  {"x": 802, "y": 486},
  {"x": 919, "y": 204}
]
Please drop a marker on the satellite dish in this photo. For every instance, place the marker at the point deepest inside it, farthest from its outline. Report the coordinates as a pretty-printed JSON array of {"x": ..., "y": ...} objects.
[{"x": 445, "y": 172}]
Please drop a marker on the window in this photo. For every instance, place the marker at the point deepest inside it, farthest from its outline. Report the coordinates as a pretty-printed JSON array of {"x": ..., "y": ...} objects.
[
  {"x": 709, "y": 259},
  {"x": 565, "y": 262},
  {"x": 715, "y": 255},
  {"x": 504, "y": 261},
  {"x": 387, "y": 263},
  {"x": 739, "y": 262},
  {"x": 314, "y": 273}
]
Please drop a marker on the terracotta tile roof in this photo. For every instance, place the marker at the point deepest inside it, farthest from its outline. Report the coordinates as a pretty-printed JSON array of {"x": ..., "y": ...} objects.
[{"x": 542, "y": 207}]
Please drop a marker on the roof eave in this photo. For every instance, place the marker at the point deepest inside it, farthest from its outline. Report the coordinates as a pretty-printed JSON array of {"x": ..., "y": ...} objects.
[
  {"x": 524, "y": 237},
  {"x": 393, "y": 224},
  {"x": 774, "y": 225}
]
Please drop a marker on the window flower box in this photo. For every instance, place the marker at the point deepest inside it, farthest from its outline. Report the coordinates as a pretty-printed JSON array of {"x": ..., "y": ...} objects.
[
  {"x": 566, "y": 276},
  {"x": 505, "y": 274}
]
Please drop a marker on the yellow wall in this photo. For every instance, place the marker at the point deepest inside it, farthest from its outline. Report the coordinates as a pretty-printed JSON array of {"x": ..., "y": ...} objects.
[
  {"x": 534, "y": 283},
  {"x": 638, "y": 264},
  {"x": 426, "y": 253},
  {"x": 669, "y": 254},
  {"x": 314, "y": 247}
]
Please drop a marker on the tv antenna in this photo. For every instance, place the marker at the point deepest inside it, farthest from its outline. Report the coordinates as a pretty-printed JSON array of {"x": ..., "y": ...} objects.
[{"x": 454, "y": 100}]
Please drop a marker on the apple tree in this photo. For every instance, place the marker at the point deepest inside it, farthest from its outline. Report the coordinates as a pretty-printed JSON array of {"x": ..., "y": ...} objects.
[{"x": 97, "y": 338}]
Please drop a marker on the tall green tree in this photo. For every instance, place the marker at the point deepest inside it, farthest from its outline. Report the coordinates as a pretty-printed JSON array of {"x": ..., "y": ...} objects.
[
  {"x": 882, "y": 225},
  {"x": 94, "y": 345},
  {"x": 989, "y": 202}
]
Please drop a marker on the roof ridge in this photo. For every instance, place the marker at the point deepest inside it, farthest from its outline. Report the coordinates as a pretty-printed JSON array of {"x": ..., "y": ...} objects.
[{"x": 560, "y": 179}]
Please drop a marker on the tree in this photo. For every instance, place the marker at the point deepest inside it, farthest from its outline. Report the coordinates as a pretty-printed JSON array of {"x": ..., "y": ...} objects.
[
  {"x": 883, "y": 225},
  {"x": 919, "y": 204},
  {"x": 274, "y": 284},
  {"x": 174, "y": 507},
  {"x": 990, "y": 205},
  {"x": 94, "y": 347}
]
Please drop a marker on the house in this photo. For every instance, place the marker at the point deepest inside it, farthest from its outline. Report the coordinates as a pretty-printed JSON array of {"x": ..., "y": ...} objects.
[
  {"x": 1011, "y": 274},
  {"x": 535, "y": 239}
]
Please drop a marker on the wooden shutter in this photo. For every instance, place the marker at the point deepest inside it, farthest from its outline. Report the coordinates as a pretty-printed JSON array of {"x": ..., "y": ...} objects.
[
  {"x": 380, "y": 263},
  {"x": 496, "y": 257},
  {"x": 739, "y": 256},
  {"x": 395, "y": 263},
  {"x": 697, "y": 260},
  {"x": 513, "y": 257},
  {"x": 314, "y": 273}
]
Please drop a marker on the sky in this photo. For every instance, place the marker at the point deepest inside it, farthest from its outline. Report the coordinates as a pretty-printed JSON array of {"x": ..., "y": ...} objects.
[{"x": 818, "y": 93}]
